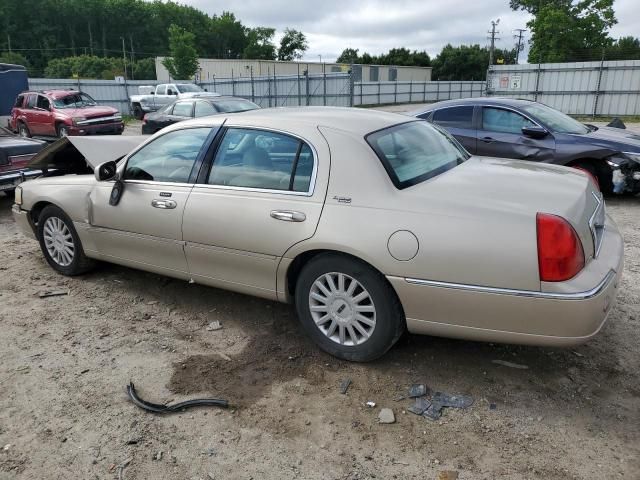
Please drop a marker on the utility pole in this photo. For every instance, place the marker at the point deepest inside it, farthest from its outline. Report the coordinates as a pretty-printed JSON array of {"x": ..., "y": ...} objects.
[
  {"x": 493, "y": 38},
  {"x": 519, "y": 46},
  {"x": 320, "y": 58},
  {"x": 124, "y": 57},
  {"x": 132, "y": 55},
  {"x": 9, "y": 41}
]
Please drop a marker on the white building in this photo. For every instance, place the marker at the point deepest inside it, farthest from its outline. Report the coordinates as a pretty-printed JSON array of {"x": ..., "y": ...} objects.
[{"x": 228, "y": 68}]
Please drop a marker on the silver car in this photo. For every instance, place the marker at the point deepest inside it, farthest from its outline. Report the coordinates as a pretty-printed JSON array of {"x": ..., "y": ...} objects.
[{"x": 371, "y": 223}]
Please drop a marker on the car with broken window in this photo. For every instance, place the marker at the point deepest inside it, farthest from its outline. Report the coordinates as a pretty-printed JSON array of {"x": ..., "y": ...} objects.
[
  {"x": 59, "y": 113},
  {"x": 528, "y": 130},
  {"x": 370, "y": 223}
]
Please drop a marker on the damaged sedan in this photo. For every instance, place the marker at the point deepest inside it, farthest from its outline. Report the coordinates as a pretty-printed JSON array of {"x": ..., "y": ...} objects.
[
  {"x": 370, "y": 223},
  {"x": 527, "y": 130}
]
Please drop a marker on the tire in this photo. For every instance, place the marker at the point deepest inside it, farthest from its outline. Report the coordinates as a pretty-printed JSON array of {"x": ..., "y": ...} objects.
[
  {"x": 55, "y": 226},
  {"x": 378, "y": 304},
  {"x": 138, "y": 113},
  {"x": 62, "y": 130},
  {"x": 600, "y": 171},
  {"x": 23, "y": 130}
]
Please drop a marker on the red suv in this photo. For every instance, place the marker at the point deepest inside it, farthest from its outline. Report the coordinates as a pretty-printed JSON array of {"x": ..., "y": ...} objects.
[{"x": 62, "y": 112}]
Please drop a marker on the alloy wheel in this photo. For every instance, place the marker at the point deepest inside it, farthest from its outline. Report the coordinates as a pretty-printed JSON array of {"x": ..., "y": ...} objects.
[{"x": 342, "y": 309}]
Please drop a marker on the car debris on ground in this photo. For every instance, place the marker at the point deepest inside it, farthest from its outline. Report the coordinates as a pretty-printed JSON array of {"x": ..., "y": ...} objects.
[
  {"x": 215, "y": 325},
  {"x": 53, "y": 293},
  {"x": 432, "y": 408},
  {"x": 386, "y": 416},
  {"x": 344, "y": 386},
  {"x": 177, "y": 407},
  {"x": 505, "y": 363}
]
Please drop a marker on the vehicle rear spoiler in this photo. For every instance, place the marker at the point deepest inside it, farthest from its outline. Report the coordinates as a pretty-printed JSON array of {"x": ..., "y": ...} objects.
[{"x": 75, "y": 154}]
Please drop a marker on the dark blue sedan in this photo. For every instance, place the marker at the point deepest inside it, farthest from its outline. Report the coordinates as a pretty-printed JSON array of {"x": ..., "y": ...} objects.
[{"x": 527, "y": 130}]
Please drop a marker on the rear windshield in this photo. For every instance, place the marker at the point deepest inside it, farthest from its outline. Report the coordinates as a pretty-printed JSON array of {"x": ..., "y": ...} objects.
[
  {"x": 416, "y": 151},
  {"x": 235, "y": 105},
  {"x": 188, "y": 88}
]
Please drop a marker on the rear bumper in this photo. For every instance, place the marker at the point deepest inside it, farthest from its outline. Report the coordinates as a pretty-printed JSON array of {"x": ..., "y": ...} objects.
[
  {"x": 23, "y": 220},
  {"x": 9, "y": 181},
  {"x": 561, "y": 317}
]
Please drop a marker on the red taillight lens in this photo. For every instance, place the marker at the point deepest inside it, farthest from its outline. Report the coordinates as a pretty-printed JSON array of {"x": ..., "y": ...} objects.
[
  {"x": 593, "y": 178},
  {"x": 144, "y": 119},
  {"x": 560, "y": 254}
]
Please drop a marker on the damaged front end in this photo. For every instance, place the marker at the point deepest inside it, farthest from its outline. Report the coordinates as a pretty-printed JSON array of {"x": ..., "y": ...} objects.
[{"x": 625, "y": 167}]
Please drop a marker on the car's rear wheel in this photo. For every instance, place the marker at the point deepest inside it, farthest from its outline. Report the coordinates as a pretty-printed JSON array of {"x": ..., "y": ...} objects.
[
  {"x": 348, "y": 308},
  {"x": 63, "y": 131},
  {"x": 138, "y": 113},
  {"x": 60, "y": 243},
  {"x": 23, "y": 130}
]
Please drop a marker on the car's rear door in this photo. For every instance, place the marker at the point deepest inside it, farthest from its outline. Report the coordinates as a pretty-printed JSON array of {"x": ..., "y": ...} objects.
[
  {"x": 500, "y": 135},
  {"x": 145, "y": 228},
  {"x": 458, "y": 120},
  {"x": 263, "y": 194},
  {"x": 46, "y": 120}
]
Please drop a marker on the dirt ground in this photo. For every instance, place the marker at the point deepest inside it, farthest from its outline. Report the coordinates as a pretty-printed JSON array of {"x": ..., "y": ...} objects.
[{"x": 65, "y": 362}]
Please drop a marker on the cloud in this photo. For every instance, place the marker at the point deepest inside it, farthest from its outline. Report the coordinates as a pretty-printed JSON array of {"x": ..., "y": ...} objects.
[{"x": 375, "y": 26}]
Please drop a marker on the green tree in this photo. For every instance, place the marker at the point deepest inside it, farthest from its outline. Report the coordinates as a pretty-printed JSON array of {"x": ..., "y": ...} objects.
[
  {"x": 260, "y": 44},
  {"x": 14, "y": 58},
  {"x": 292, "y": 45},
  {"x": 183, "y": 62},
  {"x": 566, "y": 30},
  {"x": 466, "y": 62},
  {"x": 625, "y": 48},
  {"x": 348, "y": 55}
]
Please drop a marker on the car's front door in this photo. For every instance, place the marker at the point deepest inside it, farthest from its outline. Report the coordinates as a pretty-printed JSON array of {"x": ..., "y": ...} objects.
[
  {"x": 263, "y": 194},
  {"x": 458, "y": 120},
  {"x": 145, "y": 228},
  {"x": 500, "y": 135}
]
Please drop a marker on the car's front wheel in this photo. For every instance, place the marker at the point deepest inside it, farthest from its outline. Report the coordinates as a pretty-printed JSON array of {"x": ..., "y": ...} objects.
[
  {"x": 23, "y": 130},
  {"x": 348, "y": 308},
  {"x": 60, "y": 243},
  {"x": 138, "y": 113},
  {"x": 63, "y": 131}
]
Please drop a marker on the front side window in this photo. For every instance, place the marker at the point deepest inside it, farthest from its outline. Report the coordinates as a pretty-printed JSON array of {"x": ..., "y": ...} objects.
[
  {"x": 203, "y": 109},
  {"x": 415, "y": 151},
  {"x": 43, "y": 102},
  {"x": 261, "y": 159},
  {"x": 454, "y": 117},
  {"x": 161, "y": 90},
  {"x": 183, "y": 109},
  {"x": 168, "y": 158},
  {"x": 504, "y": 121}
]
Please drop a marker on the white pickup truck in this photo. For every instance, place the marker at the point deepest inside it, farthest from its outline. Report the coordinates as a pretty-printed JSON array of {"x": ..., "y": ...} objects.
[{"x": 151, "y": 99}]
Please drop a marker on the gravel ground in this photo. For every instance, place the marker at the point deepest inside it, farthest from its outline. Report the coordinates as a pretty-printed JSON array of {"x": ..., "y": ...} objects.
[{"x": 65, "y": 362}]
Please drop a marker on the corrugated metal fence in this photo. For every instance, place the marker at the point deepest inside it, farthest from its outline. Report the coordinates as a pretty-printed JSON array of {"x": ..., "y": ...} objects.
[
  {"x": 331, "y": 89},
  {"x": 606, "y": 88}
]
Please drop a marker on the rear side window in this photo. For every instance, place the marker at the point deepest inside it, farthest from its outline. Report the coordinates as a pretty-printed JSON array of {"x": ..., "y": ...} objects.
[
  {"x": 19, "y": 100},
  {"x": 31, "y": 101},
  {"x": 414, "y": 152},
  {"x": 456, "y": 117},
  {"x": 261, "y": 159},
  {"x": 203, "y": 109}
]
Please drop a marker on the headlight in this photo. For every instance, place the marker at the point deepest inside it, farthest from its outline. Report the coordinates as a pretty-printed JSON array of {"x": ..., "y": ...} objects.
[
  {"x": 117, "y": 116},
  {"x": 77, "y": 120},
  {"x": 18, "y": 197}
]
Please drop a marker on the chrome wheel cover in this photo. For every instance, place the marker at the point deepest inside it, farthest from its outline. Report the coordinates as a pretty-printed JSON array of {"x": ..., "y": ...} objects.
[
  {"x": 58, "y": 241},
  {"x": 342, "y": 309},
  {"x": 63, "y": 132}
]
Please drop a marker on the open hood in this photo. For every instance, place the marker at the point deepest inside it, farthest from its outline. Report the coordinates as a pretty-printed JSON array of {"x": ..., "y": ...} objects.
[{"x": 79, "y": 154}]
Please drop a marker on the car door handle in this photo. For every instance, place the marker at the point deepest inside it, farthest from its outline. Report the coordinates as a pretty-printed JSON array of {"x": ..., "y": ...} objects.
[
  {"x": 288, "y": 215},
  {"x": 487, "y": 139},
  {"x": 166, "y": 204}
]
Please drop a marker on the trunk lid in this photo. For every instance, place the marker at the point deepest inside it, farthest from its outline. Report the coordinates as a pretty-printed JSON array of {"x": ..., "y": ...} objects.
[{"x": 504, "y": 187}]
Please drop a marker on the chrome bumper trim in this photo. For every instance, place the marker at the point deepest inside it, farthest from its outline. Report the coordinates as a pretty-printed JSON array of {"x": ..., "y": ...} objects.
[{"x": 604, "y": 283}]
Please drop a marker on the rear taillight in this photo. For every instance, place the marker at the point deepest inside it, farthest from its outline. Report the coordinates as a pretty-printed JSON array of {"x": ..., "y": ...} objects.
[
  {"x": 593, "y": 178},
  {"x": 144, "y": 119},
  {"x": 560, "y": 254}
]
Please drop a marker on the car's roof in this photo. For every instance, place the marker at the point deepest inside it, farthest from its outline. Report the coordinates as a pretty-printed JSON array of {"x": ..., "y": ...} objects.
[
  {"x": 53, "y": 93},
  {"x": 355, "y": 120},
  {"x": 504, "y": 101}
]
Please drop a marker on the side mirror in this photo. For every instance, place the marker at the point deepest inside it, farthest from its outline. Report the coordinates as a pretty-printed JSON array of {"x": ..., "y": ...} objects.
[
  {"x": 152, "y": 92},
  {"x": 105, "y": 171},
  {"x": 534, "y": 132}
]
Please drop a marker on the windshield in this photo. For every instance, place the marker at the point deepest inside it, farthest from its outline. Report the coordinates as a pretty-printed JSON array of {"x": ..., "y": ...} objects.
[
  {"x": 414, "y": 152},
  {"x": 235, "y": 105},
  {"x": 188, "y": 87},
  {"x": 75, "y": 100},
  {"x": 554, "y": 120}
]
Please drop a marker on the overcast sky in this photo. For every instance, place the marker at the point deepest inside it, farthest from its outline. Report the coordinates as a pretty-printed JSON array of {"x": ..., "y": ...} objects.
[{"x": 375, "y": 26}]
